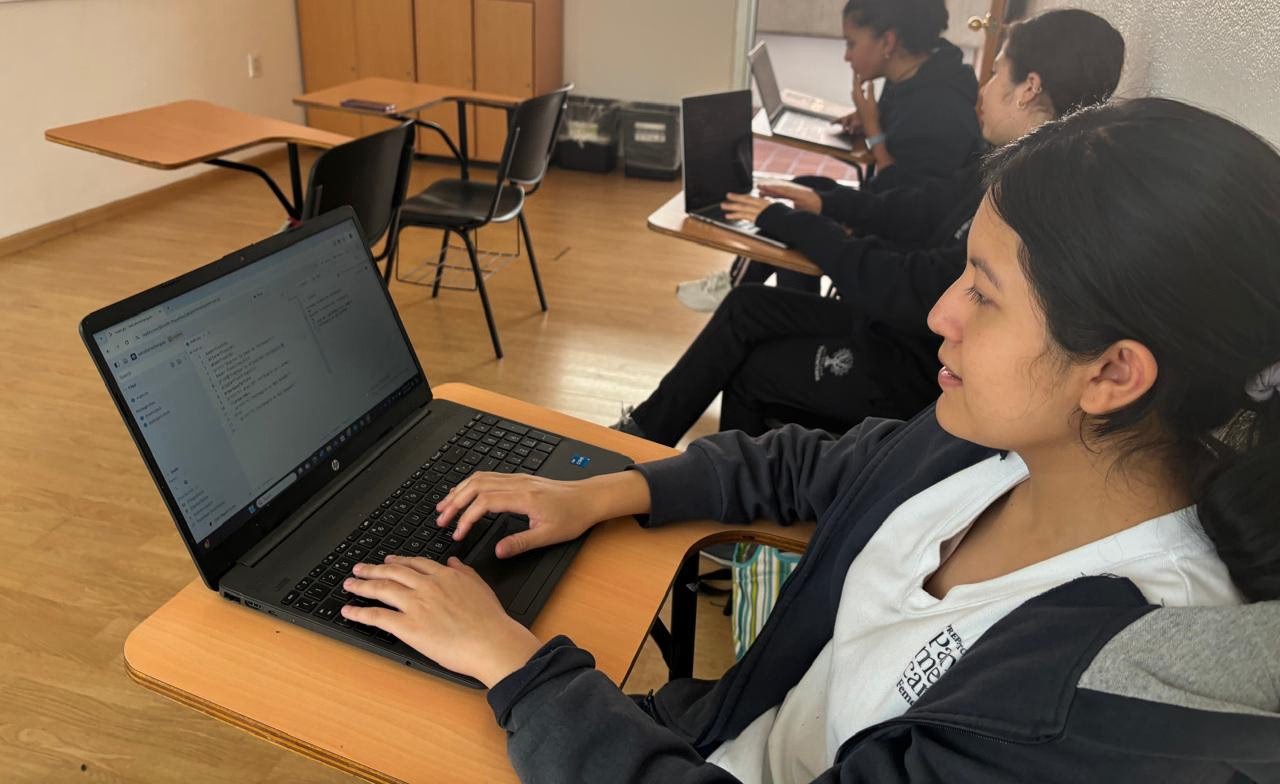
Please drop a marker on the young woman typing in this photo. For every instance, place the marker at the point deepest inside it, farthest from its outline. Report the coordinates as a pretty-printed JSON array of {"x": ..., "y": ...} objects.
[{"x": 1066, "y": 571}]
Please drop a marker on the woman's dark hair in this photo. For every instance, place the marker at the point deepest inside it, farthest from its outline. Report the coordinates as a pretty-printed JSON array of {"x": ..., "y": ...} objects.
[
  {"x": 918, "y": 23},
  {"x": 1070, "y": 81},
  {"x": 1156, "y": 221}
]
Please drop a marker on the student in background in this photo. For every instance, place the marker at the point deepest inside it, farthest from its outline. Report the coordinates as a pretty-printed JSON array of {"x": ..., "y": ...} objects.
[
  {"x": 789, "y": 356},
  {"x": 1066, "y": 571},
  {"x": 923, "y": 127}
]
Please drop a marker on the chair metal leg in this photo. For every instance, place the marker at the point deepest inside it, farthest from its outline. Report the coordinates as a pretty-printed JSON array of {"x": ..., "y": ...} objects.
[
  {"x": 484, "y": 295},
  {"x": 684, "y": 619},
  {"x": 391, "y": 250},
  {"x": 533, "y": 262},
  {"x": 444, "y": 248}
]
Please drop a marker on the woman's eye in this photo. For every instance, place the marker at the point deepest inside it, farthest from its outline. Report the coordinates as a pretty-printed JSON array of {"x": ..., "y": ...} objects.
[{"x": 976, "y": 295}]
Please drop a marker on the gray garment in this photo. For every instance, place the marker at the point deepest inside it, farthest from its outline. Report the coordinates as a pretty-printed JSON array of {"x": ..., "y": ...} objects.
[{"x": 1224, "y": 659}]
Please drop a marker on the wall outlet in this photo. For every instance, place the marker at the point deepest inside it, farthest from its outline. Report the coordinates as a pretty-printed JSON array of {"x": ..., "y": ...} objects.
[{"x": 255, "y": 66}]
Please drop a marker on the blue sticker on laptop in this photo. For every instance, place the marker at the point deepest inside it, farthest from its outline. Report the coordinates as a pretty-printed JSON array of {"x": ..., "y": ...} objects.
[{"x": 581, "y": 461}]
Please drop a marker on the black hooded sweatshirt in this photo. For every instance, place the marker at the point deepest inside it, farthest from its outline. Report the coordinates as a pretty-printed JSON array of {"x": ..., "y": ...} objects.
[{"x": 930, "y": 121}]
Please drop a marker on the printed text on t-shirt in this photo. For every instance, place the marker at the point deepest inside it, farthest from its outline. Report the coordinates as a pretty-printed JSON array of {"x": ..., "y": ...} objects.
[{"x": 929, "y": 664}]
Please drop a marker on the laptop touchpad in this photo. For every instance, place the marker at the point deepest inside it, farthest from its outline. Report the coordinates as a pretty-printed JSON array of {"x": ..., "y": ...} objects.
[{"x": 506, "y": 575}]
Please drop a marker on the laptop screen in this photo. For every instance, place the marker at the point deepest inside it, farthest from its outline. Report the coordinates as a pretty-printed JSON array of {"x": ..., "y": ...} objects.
[
  {"x": 766, "y": 82},
  {"x": 242, "y": 386},
  {"x": 717, "y": 143}
]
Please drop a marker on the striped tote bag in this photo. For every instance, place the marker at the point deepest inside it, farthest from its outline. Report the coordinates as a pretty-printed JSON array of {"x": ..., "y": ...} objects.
[{"x": 758, "y": 575}]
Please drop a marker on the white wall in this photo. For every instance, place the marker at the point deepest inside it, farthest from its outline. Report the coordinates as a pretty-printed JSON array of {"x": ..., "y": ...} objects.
[
  {"x": 64, "y": 61},
  {"x": 1220, "y": 56},
  {"x": 650, "y": 50},
  {"x": 821, "y": 18}
]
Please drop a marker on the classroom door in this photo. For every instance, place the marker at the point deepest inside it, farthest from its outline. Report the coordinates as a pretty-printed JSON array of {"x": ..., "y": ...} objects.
[{"x": 992, "y": 27}]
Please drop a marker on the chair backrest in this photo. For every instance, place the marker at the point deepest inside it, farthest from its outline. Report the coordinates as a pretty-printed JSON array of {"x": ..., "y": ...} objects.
[
  {"x": 370, "y": 174},
  {"x": 538, "y": 120}
]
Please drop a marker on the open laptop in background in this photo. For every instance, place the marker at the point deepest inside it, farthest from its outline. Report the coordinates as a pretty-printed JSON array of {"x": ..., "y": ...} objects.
[
  {"x": 800, "y": 120},
  {"x": 767, "y": 79},
  {"x": 718, "y": 154},
  {"x": 283, "y": 414}
]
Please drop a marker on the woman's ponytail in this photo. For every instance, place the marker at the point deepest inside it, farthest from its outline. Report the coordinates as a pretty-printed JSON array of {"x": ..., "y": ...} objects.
[{"x": 1238, "y": 499}]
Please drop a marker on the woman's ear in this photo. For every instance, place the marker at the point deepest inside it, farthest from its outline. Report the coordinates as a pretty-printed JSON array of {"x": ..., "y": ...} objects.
[
  {"x": 1030, "y": 89},
  {"x": 1122, "y": 375},
  {"x": 890, "y": 43}
]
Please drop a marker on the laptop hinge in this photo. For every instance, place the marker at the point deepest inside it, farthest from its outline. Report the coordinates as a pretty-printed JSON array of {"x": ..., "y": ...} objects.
[{"x": 304, "y": 512}]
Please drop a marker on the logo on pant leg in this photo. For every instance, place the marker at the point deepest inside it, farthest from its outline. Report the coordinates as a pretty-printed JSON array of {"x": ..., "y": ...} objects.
[{"x": 837, "y": 363}]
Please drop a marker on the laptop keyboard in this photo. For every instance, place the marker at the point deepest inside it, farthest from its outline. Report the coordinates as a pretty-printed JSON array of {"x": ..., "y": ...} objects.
[
  {"x": 801, "y": 125},
  {"x": 716, "y": 215},
  {"x": 405, "y": 522}
]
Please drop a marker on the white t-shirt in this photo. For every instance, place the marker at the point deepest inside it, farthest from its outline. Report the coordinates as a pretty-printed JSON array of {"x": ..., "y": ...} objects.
[{"x": 892, "y": 639}]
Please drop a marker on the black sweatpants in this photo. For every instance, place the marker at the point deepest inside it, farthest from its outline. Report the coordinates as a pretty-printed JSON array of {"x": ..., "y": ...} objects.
[
  {"x": 791, "y": 357},
  {"x": 758, "y": 272}
]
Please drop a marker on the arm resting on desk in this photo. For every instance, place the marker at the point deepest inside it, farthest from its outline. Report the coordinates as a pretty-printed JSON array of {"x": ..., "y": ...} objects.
[
  {"x": 565, "y": 721},
  {"x": 906, "y": 214},
  {"x": 787, "y": 475},
  {"x": 880, "y": 282}
]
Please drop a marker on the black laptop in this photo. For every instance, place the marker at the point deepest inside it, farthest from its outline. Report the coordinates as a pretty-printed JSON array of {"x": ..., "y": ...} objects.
[
  {"x": 808, "y": 120},
  {"x": 284, "y": 417},
  {"x": 718, "y": 157}
]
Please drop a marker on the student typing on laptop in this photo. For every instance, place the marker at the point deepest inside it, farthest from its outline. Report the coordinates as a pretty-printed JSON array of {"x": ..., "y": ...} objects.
[
  {"x": 790, "y": 356},
  {"x": 1083, "y": 591},
  {"x": 923, "y": 127}
]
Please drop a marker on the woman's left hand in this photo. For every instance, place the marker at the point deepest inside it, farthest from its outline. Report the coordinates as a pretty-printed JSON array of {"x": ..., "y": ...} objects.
[
  {"x": 743, "y": 206},
  {"x": 864, "y": 98},
  {"x": 445, "y": 612}
]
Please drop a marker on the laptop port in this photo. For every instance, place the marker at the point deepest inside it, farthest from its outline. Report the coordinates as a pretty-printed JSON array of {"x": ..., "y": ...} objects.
[{"x": 235, "y": 599}]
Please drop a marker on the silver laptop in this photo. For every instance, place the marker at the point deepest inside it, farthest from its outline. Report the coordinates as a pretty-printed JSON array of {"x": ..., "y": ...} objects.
[
  {"x": 718, "y": 156},
  {"x": 805, "y": 118}
]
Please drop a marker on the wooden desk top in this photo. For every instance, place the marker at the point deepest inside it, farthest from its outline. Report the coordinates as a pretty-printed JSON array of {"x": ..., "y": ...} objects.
[
  {"x": 181, "y": 133},
  {"x": 671, "y": 219},
  {"x": 761, "y": 130},
  {"x": 373, "y": 718},
  {"x": 405, "y": 97}
]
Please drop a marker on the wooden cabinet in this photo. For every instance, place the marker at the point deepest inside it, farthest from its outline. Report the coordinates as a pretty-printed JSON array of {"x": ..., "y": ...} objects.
[
  {"x": 504, "y": 46},
  {"x": 504, "y": 31},
  {"x": 342, "y": 40},
  {"x": 327, "y": 29},
  {"x": 442, "y": 33},
  {"x": 384, "y": 46}
]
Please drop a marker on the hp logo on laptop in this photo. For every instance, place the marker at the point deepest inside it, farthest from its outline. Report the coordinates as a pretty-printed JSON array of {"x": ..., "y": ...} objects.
[{"x": 334, "y": 465}]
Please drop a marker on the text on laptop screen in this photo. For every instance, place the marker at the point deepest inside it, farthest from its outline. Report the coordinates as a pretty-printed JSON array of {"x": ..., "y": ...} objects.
[
  {"x": 766, "y": 81},
  {"x": 717, "y": 147},
  {"x": 240, "y": 386}
]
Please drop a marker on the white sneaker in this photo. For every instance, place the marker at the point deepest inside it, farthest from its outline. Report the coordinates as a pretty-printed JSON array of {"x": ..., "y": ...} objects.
[
  {"x": 627, "y": 423},
  {"x": 705, "y": 294}
]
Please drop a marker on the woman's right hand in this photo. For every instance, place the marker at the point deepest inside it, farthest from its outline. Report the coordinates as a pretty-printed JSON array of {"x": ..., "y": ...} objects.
[
  {"x": 806, "y": 199},
  {"x": 558, "y": 511},
  {"x": 851, "y": 123}
]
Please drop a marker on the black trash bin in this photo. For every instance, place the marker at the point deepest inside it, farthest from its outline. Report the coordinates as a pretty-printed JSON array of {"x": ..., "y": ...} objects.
[
  {"x": 588, "y": 138},
  {"x": 651, "y": 140}
]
